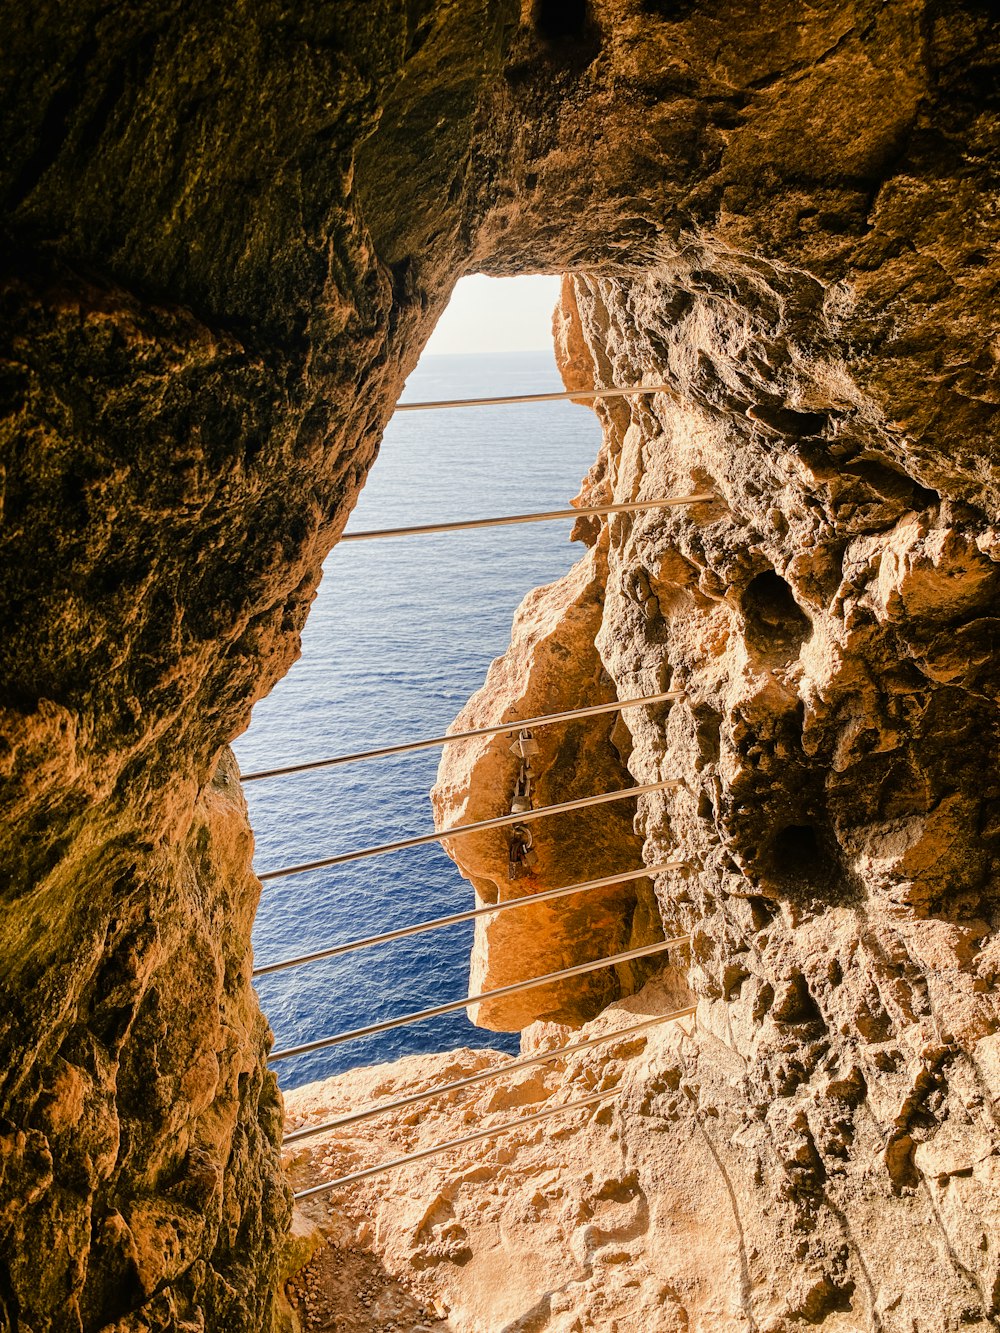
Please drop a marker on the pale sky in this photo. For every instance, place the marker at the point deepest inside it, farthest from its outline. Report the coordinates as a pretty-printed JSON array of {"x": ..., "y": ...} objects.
[{"x": 497, "y": 315}]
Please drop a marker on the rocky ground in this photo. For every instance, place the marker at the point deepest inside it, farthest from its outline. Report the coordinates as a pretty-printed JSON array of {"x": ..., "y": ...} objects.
[{"x": 546, "y": 1227}]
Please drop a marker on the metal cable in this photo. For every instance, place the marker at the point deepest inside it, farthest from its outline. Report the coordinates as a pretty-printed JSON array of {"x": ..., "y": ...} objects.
[
  {"x": 404, "y": 932},
  {"x": 453, "y": 1006},
  {"x": 588, "y": 395},
  {"x": 592, "y": 710},
  {"x": 458, "y": 1143},
  {"x": 508, "y": 520},
  {"x": 501, "y": 821},
  {"x": 543, "y": 1057}
]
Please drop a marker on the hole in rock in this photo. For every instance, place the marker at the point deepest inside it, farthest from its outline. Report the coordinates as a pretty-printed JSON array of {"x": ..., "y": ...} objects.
[
  {"x": 762, "y": 912},
  {"x": 763, "y": 1001},
  {"x": 776, "y": 626},
  {"x": 888, "y": 479},
  {"x": 795, "y": 1003},
  {"x": 787, "y": 421},
  {"x": 799, "y": 860},
  {"x": 560, "y": 20},
  {"x": 733, "y": 976},
  {"x": 796, "y": 849}
]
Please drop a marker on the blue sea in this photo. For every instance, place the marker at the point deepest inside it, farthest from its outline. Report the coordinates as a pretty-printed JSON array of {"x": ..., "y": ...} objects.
[{"x": 400, "y": 635}]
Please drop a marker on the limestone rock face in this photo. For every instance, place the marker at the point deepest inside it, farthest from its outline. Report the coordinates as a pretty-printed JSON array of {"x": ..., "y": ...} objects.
[
  {"x": 831, "y": 618},
  {"x": 199, "y": 347},
  {"x": 551, "y": 666},
  {"x": 664, "y": 1207},
  {"x": 547, "y": 1226},
  {"x": 828, "y": 617},
  {"x": 156, "y": 1110},
  {"x": 226, "y": 237}
]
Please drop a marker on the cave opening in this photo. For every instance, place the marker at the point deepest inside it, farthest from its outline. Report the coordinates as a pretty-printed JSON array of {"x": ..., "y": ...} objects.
[
  {"x": 800, "y": 861},
  {"x": 400, "y": 636},
  {"x": 227, "y": 239},
  {"x": 796, "y": 850}
]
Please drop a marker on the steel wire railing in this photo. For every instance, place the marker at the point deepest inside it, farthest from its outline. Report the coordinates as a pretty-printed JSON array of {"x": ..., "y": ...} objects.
[
  {"x": 452, "y": 1006},
  {"x": 521, "y": 814},
  {"x": 578, "y": 395},
  {"x": 482, "y": 1076},
  {"x": 486, "y": 1132},
  {"x": 497, "y": 729},
  {"x": 509, "y": 520},
  {"x": 452, "y": 1144},
  {"x": 499, "y": 821},
  {"x": 473, "y": 913}
]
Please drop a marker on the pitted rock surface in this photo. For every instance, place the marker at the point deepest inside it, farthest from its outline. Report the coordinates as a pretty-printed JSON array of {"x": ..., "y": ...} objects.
[
  {"x": 552, "y": 665},
  {"x": 226, "y": 239},
  {"x": 828, "y": 620}
]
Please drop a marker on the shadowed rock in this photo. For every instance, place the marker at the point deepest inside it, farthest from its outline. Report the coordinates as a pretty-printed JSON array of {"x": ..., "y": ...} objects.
[{"x": 226, "y": 239}]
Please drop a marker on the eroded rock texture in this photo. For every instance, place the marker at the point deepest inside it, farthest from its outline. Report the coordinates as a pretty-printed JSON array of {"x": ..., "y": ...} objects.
[
  {"x": 832, "y": 619},
  {"x": 201, "y": 345},
  {"x": 658, "y": 1209},
  {"x": 548, "y": 1226},
  {"x": 226, "y": 238},
  {"x": 552, "y": 666}
]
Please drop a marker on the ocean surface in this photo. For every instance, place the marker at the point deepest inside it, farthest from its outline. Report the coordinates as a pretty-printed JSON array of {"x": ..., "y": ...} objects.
[{"x": 400, "y": 635}]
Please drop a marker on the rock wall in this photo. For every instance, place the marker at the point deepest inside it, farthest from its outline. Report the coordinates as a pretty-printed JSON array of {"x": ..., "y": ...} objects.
[
  {"x": 226, "y": 238},
  {"x": 551, "y": 666},
  {"x": 671, "y": 1205},
  {"x": 830, "y": 619},
  {"x": 548, "y": 1226},
  {"x": 200, "y": 346}
]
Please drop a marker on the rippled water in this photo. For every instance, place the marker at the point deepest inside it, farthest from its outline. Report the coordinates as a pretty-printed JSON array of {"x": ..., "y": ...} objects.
[{"x": 402, "y": 632}]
